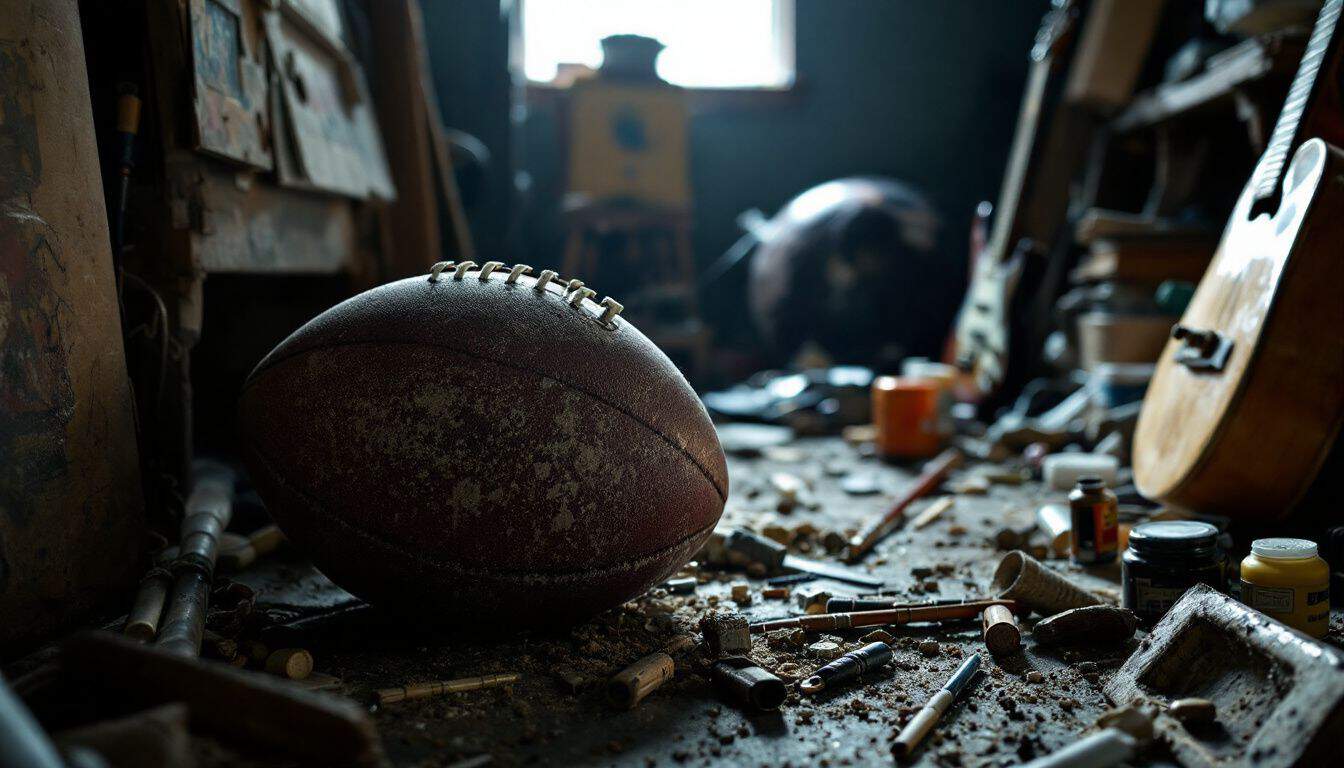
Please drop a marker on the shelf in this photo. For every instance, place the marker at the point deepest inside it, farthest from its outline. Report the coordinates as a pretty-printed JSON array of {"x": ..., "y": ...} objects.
[{"x": 1248, "y": 62}]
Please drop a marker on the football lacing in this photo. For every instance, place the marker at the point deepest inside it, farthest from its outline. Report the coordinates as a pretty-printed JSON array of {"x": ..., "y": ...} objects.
[{"x": 572, "y": 292}]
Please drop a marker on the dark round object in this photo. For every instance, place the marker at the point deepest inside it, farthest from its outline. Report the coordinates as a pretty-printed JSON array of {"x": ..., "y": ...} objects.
[
  {"x": 851, "y": 265},
  {"x": 482, "y": 447},
  {"x": 1163, "y": 560}
]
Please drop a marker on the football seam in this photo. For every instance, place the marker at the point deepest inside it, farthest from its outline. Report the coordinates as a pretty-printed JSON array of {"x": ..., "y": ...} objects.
[
  {"x": 270, "y": 364},
  {"x": 320, "y": 512}
]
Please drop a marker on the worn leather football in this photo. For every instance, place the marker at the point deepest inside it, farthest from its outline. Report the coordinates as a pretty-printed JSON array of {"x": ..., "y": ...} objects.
[{"x": 485, "y": 441}]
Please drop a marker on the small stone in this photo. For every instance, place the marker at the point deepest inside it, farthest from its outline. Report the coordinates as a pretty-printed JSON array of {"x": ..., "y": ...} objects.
[
  {"x": 825, "y": 650},
  {"x": 775, "y": 593},
  {"x": 956, "y": 530},
  {"x": 777, "y": 533},
  {"x": 1191, "y": 711},
  {"x": 786, "y": 638},
  {"x": 878, "y": 636},
  {"x": 930, "y": 648},
  {"x": 834, "y": 542},
  {"x": 741, "y": 591},
  {"x": 726, "y": 634},
  {"x": 1035, "y": 677}
]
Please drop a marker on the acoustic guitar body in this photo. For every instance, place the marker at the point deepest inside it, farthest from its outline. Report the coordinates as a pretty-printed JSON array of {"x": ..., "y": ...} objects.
[{"x": 1248, "y": 396}]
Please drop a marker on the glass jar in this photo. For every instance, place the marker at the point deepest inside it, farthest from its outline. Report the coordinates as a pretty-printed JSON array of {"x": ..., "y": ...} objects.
[
  {"x": 1166, "y": 558},
  {"x": 1095, "y": 522},
  {"x": 1287, "y": 580}
]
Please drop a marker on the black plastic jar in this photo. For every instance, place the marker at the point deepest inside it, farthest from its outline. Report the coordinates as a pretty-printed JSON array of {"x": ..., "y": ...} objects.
[{"x": 1166, "y": 558}]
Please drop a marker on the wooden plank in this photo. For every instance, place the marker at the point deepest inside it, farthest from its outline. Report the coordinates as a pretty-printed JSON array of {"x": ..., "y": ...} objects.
[
  {"x": 71, "y": 509},
  {"x": 412, "y": 223},
  {"x": 1235, "y": 68},
  {"x": 229, "y": 81},
  {"x": 1111, "y": 52}
]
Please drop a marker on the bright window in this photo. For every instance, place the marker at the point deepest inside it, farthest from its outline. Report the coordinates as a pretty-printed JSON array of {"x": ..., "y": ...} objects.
[{"x": 709, "y": 43}]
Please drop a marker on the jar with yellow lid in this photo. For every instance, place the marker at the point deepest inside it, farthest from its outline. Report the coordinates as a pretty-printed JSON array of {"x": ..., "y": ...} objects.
[{"x": 1287, "y": 580}]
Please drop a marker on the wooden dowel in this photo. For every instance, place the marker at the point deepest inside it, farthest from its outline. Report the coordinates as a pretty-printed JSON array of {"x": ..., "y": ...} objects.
[
  {"x": 1001, "y": 633},
  {"x": 932, "y": 476},
  {"x": 440, "y": 687},
  {"x": 827, "y": 622}
]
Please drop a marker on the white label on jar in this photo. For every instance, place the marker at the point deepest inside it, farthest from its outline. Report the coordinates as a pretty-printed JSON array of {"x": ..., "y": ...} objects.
[
  {"x": 1154, "y": 598},
  {"x": 1268, "y": 599}
]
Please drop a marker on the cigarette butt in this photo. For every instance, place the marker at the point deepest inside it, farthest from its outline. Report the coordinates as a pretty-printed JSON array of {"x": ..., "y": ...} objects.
[
  {"x": 440, "y": 687},
  {"x": 634, "y": 683},
  {"x": 932, "y": 512},
  {"x": 1002, "y": 635},
  {"x": 293, "y": 663}
]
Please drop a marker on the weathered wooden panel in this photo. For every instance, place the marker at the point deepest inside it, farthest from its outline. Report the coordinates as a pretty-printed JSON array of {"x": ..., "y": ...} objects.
[
  {"x": 326, "y": 135},
  {"x": 71, "y": 511},
  {"x": 229, "y": 81}
]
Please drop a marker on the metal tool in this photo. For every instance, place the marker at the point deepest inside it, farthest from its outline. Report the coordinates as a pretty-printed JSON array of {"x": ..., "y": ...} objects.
[
  {"x": 848, "y": 667},
  {"x": 775, "y": 556}
]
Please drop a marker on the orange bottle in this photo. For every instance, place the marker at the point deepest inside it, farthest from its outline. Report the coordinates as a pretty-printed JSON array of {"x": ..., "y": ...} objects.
[{"x": 908, "y": 416}]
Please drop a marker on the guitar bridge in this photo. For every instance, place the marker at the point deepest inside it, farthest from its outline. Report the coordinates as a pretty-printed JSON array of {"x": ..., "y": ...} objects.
[{"x": 1204, "y": 350}]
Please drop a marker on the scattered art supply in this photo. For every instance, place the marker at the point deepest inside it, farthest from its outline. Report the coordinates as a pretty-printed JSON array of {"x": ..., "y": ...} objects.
[
  {"x": 931, "y": 477},
  {"x": 924, "y": 720},
  {"x": 1287, "y": 580},
  {"x": 439, "y": 688},
  {"x": 1163, "y": 560},
  {"x": 775, "y": 556},
  {"x": 828, "y": 622},
  {"x": 1094, "y": 528},
  {"x": 848, "y": 667}
]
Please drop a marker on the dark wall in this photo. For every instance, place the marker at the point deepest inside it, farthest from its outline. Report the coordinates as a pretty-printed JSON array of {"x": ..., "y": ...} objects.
[
  {"x": 468, "y": 43},
  {"x": 926, "y": 91}
]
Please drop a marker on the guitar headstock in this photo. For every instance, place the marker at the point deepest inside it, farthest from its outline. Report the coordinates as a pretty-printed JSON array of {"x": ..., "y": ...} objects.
[{"x": 1312, "y": 108}]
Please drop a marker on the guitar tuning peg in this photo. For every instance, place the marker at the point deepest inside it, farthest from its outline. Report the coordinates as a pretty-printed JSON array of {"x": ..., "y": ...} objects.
[
  {"x": 488, "y": 267},
  {"x": 581, "y": 293},
  {"x": 438, "y": 269},
  {"x": 543, "y": 280},
  {"x": 611, "y": 308},
  {"x": 518, "y": 271},
  {"x": 462, "y": 268}
]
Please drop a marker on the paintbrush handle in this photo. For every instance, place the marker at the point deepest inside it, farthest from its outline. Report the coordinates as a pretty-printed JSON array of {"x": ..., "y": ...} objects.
[{"x": 930, "y": 478}]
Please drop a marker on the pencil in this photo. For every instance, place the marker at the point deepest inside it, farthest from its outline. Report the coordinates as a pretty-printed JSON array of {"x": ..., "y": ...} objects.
[{"x": 924, "y": 720}]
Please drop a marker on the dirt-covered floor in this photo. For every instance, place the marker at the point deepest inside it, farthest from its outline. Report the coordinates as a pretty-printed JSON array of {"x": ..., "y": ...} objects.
[{"x": 1021, "y": 707}]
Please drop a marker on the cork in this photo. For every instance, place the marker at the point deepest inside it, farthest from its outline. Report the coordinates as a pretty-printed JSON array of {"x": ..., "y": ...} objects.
[
  {"x": 634, "y": 683},
  {"x": 293, "y": 663},
  {"x": 1002, "y": 635}
]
